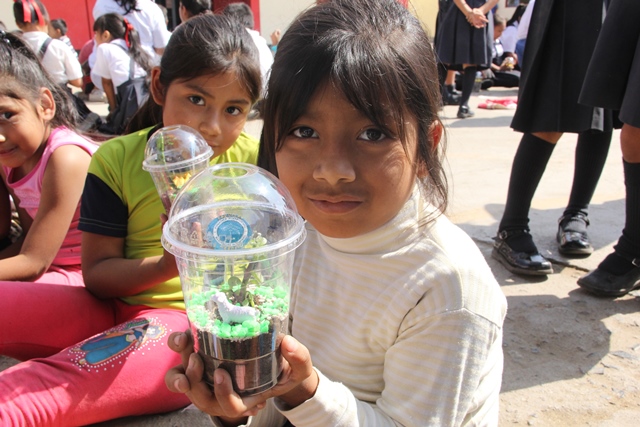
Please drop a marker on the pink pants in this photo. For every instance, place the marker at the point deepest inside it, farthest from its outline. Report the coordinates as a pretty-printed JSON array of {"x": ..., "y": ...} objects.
[
  {"x": 88, "y": 360},
  {"x": 71, "y": 275}
]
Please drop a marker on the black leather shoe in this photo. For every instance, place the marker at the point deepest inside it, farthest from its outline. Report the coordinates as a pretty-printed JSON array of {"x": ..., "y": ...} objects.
[
  {"x": 452, "y": 90},
  {"x": 604, "y": 284},
  {"x": 464, "y": 112},
  {"x": 573, "y": 242},
  {"x": 450, "y": 99},
  {"x": 527, "y": 263}
]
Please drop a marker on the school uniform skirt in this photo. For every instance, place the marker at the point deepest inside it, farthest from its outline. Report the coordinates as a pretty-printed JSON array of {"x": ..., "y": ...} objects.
[
  {"x": 458, "y": 43},
  {"x": 613, "y": 76},
  {"x": 560, "y": 42}
]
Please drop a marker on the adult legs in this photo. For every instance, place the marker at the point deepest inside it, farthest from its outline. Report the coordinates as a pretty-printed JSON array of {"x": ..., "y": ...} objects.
[
  {"x": 590, "y": 156},
  {"x": 450, "y": 85},
  {"x": 468, "y": 79},
  {"x": 447, "y": 81},
  {"x": 619, "y": 272},
  {"x": 514, "y": 246}
]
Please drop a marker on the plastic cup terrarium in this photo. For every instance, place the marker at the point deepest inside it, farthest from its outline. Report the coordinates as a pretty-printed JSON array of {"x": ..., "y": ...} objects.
[
  {"x": 172, "y": 156},
  {"x": 233, "y": 230}
]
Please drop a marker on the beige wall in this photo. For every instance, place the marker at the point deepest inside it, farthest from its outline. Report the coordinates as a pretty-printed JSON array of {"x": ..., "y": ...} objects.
[
  {"x": 279, "y": 13},
  {"x": 6, "y": 14},
  {"x": 426, "y": 11}
]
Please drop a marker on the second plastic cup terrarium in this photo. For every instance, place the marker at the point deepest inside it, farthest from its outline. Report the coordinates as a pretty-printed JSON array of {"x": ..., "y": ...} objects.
[
  {"x": 233, "y": 229},
  {"x": 173, "y": 155}
]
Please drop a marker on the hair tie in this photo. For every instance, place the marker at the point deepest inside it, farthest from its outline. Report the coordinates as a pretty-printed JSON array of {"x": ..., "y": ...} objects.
[
  {"x": 38, "y": 13},
  {"x": 127, "y": 31},
  {"x": 26, "y": 11},
  {"x": 4, "y": 37}
]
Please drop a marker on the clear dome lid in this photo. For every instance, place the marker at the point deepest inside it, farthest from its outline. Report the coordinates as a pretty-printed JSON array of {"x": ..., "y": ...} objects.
[
  {"x": 175, "y": 147},
  {"x": 234, "y": 210}
]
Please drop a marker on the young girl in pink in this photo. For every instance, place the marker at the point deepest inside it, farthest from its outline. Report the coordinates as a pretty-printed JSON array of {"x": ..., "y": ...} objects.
[{"x": 43, "y": 164}]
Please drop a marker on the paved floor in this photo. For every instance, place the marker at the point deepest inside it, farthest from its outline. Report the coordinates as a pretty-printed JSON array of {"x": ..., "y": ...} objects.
[{"x": 480, "y": 152}]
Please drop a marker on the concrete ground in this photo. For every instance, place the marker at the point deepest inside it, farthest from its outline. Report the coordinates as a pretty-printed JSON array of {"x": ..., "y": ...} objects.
[{"x": 563, "y": 363}]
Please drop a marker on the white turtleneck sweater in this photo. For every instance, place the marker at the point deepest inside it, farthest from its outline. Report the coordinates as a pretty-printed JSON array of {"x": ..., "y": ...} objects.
[{"x": 404, "y": 326}]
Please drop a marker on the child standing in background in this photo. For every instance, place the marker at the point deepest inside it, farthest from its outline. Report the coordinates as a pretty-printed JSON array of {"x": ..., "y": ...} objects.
[
  {"x": 396, "y": 316},
  {"x": 100, "y": 353},
  {"x": 43, "y": 166},
  {"x": 120, "y": 70}
]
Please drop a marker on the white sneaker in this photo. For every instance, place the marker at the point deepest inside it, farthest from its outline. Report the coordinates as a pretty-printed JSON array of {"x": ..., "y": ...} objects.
[{"x": 97, "y": 96}]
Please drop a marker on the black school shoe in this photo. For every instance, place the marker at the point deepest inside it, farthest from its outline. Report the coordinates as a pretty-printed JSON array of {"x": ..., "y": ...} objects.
[
  {"x": 571, "y": 242},
  {"x": 526, "y": 263},
  {"x": 605, "y": 284},
  {"x": 464, "y": 112},
  {"x": 452, "y": 90}
]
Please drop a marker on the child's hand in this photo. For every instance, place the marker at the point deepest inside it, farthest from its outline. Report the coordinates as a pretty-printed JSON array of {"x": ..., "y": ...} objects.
[
  {"x": 187, "y": 378},
  {"x": 275, "y": 37},
  {"x": 298, "y": 381},
  {"x": 477, "y": 19}
]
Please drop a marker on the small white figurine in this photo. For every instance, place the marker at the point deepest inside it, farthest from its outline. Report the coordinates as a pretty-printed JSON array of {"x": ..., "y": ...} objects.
[{"x": 233, "y": 313}]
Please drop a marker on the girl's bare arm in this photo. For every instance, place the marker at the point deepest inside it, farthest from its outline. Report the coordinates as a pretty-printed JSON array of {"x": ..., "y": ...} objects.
[
  {"x": 108, "y": 274},
  {"x": 61, "y": 190}
]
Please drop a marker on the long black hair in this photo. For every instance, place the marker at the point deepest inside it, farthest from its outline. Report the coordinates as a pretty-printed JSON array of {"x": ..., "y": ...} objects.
[
  {"x": 517, "y": 14},
  {"x": 204, "y": 45},
  {"x": 22, "y": 76},
  {"x": 120, "y": 28},
  {"x": 379, "y": 56}
]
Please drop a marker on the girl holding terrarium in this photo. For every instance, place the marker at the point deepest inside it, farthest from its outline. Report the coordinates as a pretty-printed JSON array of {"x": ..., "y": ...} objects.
[{"x": 396, "y": 316}]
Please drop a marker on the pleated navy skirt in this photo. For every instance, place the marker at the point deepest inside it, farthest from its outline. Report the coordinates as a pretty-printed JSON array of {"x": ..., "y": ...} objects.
[
  {"x": 613, "y": 76},
  {"x": 561, "y": 39},
  {"x": 458, "y": 43}
]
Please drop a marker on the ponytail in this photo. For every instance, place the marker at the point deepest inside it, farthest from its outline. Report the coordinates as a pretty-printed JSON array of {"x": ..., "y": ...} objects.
[
  {"x": 30, "y": 11},
  {"x": 128, "y": 28},
  {"x": 121, "y": 28},
  {"x": 150, "y": 114}
]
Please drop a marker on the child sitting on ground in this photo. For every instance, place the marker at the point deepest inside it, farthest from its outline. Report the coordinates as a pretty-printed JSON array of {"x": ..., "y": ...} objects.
[
  {"x": 99, "y": 353},
  {"x": 120, "y": 70},
  {"x": 43, "y": 163},
  {"x": 396, "y": 318}
]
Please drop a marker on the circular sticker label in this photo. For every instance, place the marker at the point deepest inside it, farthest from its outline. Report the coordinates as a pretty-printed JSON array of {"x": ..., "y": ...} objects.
[{"x": 229, "y": 232}]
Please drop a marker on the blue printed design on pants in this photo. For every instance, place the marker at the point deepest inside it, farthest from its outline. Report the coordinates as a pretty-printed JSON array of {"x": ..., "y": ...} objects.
[{"x": 117, "y": 343}]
